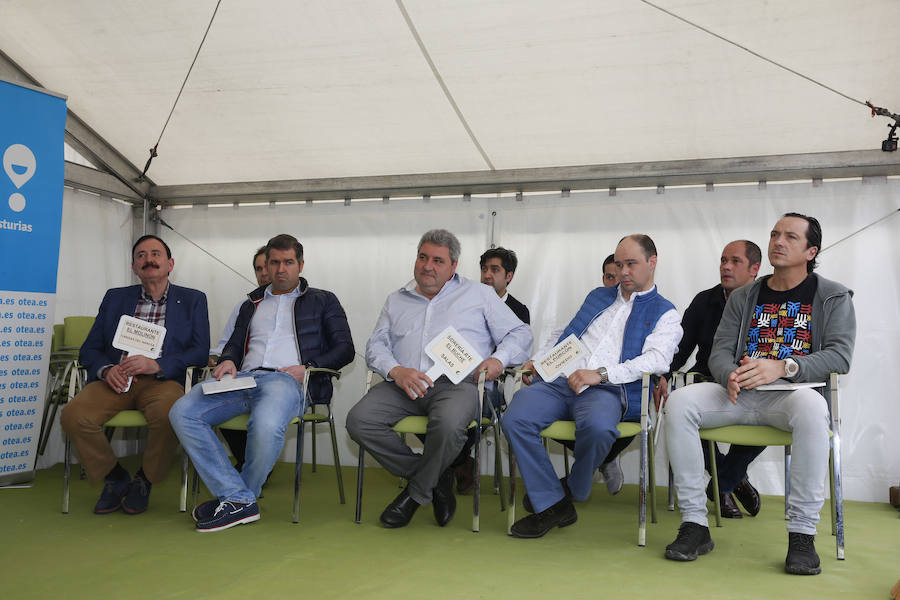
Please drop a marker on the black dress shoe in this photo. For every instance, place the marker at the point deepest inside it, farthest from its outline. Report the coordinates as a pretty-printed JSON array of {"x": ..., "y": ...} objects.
[
  {"x": 747, "y": 495},
  {"x": 465, "y": 476},
  {"x": 443, "y": 501},
  {"x": 561, "y": 514},
  {"x": 730, "y": 509},
  {"x": 526, "y": 501},
  {"x": 399, "y": 512}
]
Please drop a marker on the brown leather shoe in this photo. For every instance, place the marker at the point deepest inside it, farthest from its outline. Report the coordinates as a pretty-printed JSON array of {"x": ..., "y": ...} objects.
[
  {"x": 747, "y": 495},
  {"x": 730, "y": 509}
]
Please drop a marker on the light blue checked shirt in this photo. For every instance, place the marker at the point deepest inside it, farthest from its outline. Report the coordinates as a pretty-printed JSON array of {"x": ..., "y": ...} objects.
[{"x": 408, "y": 321}]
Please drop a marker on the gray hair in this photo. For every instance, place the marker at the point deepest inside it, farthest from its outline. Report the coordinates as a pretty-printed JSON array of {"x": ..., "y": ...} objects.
[{"x": 442, "y": 237}]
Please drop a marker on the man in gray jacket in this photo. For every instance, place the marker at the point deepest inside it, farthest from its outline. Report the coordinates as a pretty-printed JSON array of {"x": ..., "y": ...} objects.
[{"x": 792, "y": 327}]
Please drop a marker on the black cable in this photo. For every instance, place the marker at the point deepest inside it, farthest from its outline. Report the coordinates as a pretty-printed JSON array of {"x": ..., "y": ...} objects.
[
  {"x": 153, "y": 153},
  {"x": 756, "y": 54},
  {"x": 205, "y": 251},
  {"x": 847, "y": 237}
]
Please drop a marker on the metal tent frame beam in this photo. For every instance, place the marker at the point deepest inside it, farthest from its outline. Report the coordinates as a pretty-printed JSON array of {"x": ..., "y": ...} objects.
[
  {"x": 824, "y": 165},
  {"x": 92, "y": 146},
  {"x": 98, "y": 182}
]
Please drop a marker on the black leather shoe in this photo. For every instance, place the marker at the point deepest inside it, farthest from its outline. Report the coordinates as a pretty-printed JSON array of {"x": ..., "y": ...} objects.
[
  {"x": 399, "y": 512},
  {"x": 561, "y": 514},
  {"x": 465, "y": 477},
  {"x": 443, "y": 501},
  {"x": 730, "y": 508},
  {"x": 747, "y": 495},
  {"x": 526, "y": 501}
]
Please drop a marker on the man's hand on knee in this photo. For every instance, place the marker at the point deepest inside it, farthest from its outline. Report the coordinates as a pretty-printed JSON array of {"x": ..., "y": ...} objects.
[
  {"x": 755, "y": 372},
  {"x": 584, "y": 378},
  {"x": 295, "y": 371},
  {"x": 528, "y": 370},
  {"x": 413, "y": 382},
  {"x": 226, "y": 367},
  {"x": 116, "y": 379},
  {"x": 493, "y": 367}
]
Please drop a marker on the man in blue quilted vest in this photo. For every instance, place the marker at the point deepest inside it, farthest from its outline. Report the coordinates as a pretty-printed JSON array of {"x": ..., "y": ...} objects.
[{"x": 627, "y": 330}]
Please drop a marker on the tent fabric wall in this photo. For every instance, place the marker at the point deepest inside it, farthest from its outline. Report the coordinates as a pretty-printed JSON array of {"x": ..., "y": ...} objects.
[
  {"x": 365, "y": 250},
  {"x": 94, "y": 251},
  {"x": 94, "y": 255}
]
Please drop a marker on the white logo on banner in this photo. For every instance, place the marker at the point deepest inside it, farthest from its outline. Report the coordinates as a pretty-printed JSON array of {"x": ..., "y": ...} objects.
[{"x": 19, "y": 165}]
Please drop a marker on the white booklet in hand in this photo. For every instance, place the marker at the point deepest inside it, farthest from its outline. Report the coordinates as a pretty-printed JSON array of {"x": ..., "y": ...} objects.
[
  {"x": 228, "y": 384},
  {"x": 138, "y": 337},
  {"x": 787, "y": 386}
]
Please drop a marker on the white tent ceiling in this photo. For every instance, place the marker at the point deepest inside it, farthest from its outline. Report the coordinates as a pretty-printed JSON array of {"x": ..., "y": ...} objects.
[{"x": 286, "y": 90}]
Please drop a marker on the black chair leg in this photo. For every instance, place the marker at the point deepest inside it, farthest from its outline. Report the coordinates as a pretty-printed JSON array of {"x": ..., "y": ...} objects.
[{"x": 359, "y": 485}]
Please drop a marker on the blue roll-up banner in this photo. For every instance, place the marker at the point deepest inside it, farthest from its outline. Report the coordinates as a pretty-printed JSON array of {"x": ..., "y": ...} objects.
[{"x": 32, "y": 130}]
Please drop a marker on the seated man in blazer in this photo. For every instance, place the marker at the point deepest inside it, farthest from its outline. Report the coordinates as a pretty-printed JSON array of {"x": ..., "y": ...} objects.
[{"x": 155, "y": 386}]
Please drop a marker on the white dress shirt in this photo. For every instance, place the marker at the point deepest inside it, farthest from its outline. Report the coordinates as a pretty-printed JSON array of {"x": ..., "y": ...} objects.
[
  {"x": 605, "y": 335},
  {"x": 273, "y": 339}
]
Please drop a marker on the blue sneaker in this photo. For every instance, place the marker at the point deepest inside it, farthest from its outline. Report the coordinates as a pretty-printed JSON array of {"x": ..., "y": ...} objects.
[
  {"x": 111, "y": 496},
  {"x": 137, "y": 497},
  {"x": 229, "y": 514},
  {"x": 204, "y": 510}
]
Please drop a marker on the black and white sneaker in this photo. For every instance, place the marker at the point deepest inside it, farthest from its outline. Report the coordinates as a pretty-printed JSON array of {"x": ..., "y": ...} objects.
[
  {"x": 692, "y": 541},
  {"x": 801, "y": 557},
  {"x": 229, "y": 514}
]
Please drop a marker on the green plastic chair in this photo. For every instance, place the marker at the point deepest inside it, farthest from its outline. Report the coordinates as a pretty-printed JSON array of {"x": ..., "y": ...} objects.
[
  {"x": 239, "y": 423},
  {"x": 565, "y": 430},
  {"x": 125, "y": 418},
  {"x": 64, "y": 348},
  {"x": 418, "y": 425},
  {"x": 59, "y": 331},
  {"x": 76, "y": 330}
]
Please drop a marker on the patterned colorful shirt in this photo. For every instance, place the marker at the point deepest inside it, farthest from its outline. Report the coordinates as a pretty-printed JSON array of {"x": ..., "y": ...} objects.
[{"x": 782, "y": 322}]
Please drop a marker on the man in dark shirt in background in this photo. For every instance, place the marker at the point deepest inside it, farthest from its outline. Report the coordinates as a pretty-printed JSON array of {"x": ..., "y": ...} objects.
[{"x": 738, "y": 266}]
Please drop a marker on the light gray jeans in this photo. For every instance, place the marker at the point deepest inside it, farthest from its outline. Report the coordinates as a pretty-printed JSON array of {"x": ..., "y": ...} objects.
[{"x": 803, "y": 412}]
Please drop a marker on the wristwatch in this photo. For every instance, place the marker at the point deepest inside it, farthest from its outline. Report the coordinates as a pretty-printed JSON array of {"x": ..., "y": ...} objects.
[
  {"x": 604, "y": 377},
  {"x": 791, "y": 368}
]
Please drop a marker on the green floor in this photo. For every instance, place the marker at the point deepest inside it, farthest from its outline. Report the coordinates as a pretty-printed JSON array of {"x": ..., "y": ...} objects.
[{"x": 158, "y": 555}]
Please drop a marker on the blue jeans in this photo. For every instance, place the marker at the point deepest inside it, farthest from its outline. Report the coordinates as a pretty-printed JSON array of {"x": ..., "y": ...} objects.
[
  {"x": 272, "y": 404},
  {"x": 596, "y": 412}
]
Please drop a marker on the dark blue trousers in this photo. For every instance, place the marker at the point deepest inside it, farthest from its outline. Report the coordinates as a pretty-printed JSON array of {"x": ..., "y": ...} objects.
[{"x": 596, "y": 412}]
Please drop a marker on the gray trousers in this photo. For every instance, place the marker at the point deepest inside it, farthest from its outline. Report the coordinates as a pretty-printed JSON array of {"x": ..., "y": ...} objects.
[
  {"x": 449, "y": 408},
  {"x": 803, "y": 412}
]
